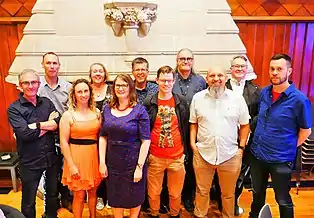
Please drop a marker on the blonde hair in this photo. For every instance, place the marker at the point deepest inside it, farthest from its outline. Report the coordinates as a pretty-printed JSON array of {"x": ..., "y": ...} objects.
[
  {"x": 106, "y": 74},
  {"x": 72, "y": 103}
]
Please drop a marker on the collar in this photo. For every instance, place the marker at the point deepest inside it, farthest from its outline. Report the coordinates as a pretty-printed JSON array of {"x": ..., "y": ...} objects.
[
  {"x": 179, "y": 77},
  {"x": 145, "y": 89},
  {"x": 44, "y": 82},
  {"x": 235, "y": 82},
  {"x": 288, "y": 91},
  {"x": 25, "y": 101},
  {"x": 154, "y": 99}
]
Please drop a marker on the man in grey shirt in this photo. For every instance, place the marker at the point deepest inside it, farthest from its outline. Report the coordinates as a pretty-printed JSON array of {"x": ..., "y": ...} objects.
[{"x": 57, "y": 90}]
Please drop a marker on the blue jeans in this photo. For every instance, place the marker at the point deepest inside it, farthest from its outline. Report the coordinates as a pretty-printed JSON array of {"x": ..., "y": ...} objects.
[
  {"x": 280, "y": 175},
  {"x": 30, "y": 180}
]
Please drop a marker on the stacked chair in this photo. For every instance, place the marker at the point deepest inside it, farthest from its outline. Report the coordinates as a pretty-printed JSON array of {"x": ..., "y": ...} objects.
[{"x": 305, "y": 155}]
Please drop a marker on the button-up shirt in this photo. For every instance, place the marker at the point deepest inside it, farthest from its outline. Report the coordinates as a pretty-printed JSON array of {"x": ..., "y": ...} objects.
[
  {"x": 278, "y": 124},
  {"x": 34, "y": 152},
  {"x": 218, "y": 121},
  {"x": 189, "y": 86},
  {"x": 237, "y": 87},
  {"x": 58, "y": 95},
  {"x": 151, "y": 88}
]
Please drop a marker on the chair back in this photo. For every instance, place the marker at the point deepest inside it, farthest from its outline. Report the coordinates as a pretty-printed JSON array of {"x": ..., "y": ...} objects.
[{"x": 265, "y": 212}]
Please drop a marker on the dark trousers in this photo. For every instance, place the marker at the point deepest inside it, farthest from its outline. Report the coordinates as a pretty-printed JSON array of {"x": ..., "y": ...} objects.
[
  {"x": 280, "y": 175},
  {"x": 101, "y": 191},
  {"x": 30, "y": 180},
  {"x": 64, "y": 191},
  {"x": 188, "y": 192}
]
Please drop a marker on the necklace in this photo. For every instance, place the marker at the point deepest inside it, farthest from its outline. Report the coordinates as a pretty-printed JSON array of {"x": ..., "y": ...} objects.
[
  {"x": 123, "y": 108},
  {"x": 98, "y": 95}
]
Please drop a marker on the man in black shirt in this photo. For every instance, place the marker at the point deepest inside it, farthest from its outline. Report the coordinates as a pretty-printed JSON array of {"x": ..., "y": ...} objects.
[{"x": 34, "y": 119}]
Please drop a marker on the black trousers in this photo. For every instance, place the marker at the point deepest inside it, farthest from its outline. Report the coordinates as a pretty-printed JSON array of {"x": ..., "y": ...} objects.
[
  {"x": 280, "y": 175},
  {"x": 30, "y": 180},
  {"x": 189, "y": 187},
  {"x": 63, "y": 190}
]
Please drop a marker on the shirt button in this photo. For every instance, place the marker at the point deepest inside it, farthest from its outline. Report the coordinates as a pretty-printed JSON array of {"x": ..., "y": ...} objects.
[{"x": 263, "y": 126}]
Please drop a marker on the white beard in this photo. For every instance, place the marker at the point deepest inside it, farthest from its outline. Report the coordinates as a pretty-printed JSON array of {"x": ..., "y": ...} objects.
[{"x": 216, "y": 92}]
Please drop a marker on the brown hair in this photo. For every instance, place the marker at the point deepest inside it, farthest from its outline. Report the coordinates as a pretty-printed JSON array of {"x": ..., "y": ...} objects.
[
  {"x": 106, "y": 74},
  {"x": 286, "y": 57},
  {"x": 114, "y": 103},
  {"x": 139, "y": 60},
  {"x": 50, "y": 53},
  {"x": 72, "y": 104},
  {"x": 165, "y": 70}
]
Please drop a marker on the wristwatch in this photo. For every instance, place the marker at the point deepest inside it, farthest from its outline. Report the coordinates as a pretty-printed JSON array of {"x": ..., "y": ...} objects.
[
  {"x": 38, "y": 125},
  {"x": 241, "y": 147}
]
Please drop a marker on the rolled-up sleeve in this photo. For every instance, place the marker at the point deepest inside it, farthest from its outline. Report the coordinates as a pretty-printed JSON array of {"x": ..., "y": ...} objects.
[{"x": 193, "y": 118}]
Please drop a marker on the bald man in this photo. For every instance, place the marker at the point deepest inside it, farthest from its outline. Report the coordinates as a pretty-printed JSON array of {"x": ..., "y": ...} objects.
[{"x": 219, "y": 128}]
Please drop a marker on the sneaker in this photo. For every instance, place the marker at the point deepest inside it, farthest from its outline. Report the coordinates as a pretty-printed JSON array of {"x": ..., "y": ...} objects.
[
  {"x": 238, "y": 211},
  {"x": 108, "y": 206},
  {"x": 100, "y": 204}
]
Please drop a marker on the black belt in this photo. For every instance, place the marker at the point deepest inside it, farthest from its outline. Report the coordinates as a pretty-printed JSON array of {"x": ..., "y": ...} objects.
[{"x": 83, "y": 141}]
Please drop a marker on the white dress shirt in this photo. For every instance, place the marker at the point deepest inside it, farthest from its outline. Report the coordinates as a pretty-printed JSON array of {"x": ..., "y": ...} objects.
[
  {"x": 218, "y": 120},
  {"x": 237, "y": 87}
]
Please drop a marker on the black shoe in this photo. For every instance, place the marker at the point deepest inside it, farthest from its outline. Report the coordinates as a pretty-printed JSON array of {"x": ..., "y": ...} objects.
[
  {"x": 188, "y": 205},
  {"x": 151, "y": 216},
  {"x": 67, "y": 205},
  {"x": 164, "y": 209},
  {"x": 177, "y": 216}
]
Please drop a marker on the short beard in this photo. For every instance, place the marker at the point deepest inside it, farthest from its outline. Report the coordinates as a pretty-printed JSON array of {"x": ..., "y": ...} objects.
[
  {"x": 281, "y": 81},
  {"x": 216, "y": 92}
]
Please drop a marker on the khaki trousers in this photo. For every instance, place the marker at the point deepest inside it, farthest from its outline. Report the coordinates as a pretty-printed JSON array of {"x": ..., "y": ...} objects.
[
  {"x": 175, "y": 179},
  {"x": 228, "y": 173}
]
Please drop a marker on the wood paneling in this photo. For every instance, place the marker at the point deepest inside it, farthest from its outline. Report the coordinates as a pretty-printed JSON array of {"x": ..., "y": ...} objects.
[
  {"x": 263, "y": 40},
  {"x": 8, "y": 43}
]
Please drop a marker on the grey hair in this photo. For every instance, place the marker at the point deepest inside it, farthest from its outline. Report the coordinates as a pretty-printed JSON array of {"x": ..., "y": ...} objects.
[{"x": 26, "y": 71}]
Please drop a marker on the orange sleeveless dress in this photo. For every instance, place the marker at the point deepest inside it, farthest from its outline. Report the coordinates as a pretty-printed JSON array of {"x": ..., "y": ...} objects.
[{"x": 85, "y": 157}]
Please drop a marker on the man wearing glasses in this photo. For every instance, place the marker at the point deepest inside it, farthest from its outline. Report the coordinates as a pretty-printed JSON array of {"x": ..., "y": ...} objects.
[
  {"x": 169, "y": 114},
  {"x": 34, "y": 120},
  {"x": 187, "y": 83},
  {"x": 251, "y": 94},
  {"x": 140, "y": 72},
  {"x": 284, "y": 122}
]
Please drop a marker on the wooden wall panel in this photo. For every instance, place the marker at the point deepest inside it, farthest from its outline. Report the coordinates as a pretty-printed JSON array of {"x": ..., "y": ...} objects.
[
  {"x": 8, "y": 93},
  {"x": 263, "y": 40}
]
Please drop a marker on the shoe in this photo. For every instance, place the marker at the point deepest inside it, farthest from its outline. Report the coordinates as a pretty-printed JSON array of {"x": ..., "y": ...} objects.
[
  {"x": 100, "y": 204},
  {"x": 164, "y": 209},
  {"x": 44, "y": 215},
  {"x": 67, "y": 205},
  {"x": 188, "y": 205},
  {"x": 108, "y": 206},
  {"x": 151, "y": 216},
  {"x": 238, "y": 210},
  {"x": 177, "y": 216}
]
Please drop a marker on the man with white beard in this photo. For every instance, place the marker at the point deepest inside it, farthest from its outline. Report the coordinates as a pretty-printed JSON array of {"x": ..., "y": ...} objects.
[{"x": 219, "y": 128}]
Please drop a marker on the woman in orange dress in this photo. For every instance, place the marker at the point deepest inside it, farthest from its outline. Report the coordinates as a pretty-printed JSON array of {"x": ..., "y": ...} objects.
[{"x": 79, "y": 127}]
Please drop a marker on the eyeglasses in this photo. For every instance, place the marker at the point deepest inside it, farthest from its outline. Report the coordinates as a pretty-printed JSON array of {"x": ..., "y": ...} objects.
[
  {"x": 166, "y": 80},
  {"x": 123, "y": 86},
  {"x": 28, "y": 83},
  {"x": 183, "y": 59},
  {"x": 239, "y": 66},
  {"x": 140, "y": 70}
]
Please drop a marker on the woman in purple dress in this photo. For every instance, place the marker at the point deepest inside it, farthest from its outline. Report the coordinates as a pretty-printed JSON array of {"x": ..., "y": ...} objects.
[{"x": 123, "y": 146}]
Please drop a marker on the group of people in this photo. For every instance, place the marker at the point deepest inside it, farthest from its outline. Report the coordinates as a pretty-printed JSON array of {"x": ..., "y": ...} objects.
[{"x": 130, "y": 141}]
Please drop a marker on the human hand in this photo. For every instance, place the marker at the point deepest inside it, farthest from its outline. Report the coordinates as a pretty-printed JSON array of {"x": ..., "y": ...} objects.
[
  {"x": 138, "y": 174},
  {"x": 103, "y": 170},
  {"x": 53, "y": 115},
  {"x": 74, "y": 172}
]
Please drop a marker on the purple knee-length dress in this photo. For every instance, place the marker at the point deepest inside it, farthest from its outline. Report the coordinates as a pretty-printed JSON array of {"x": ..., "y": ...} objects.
[{"x": 124, "y": 135}]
